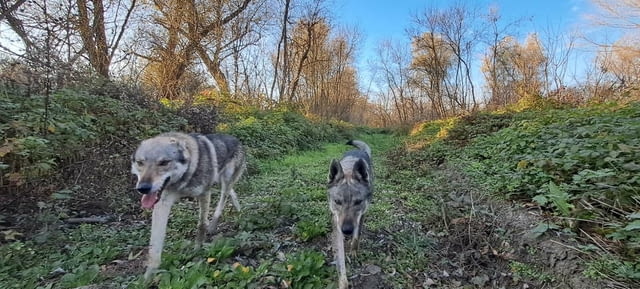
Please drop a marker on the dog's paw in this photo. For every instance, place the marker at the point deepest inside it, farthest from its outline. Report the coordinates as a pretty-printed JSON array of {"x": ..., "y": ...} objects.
[
  {"x": 343, "y": 283},
  {"x": 148, "y": 275},
  {"x": 353, "y": 255}
]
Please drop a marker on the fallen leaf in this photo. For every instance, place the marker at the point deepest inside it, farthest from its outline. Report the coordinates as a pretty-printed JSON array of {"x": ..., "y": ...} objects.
[
  {"x": 11, "y": 235},
  {"x": 428, "y": 282},
  {"x": 133, "y": 257},
  {"x": 373, "y": 269}
]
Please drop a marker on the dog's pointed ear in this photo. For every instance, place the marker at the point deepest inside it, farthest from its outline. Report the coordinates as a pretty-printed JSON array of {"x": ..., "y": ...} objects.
[
  {"x": 335, "y": 172},
  {"x": 360, "y": 171}
]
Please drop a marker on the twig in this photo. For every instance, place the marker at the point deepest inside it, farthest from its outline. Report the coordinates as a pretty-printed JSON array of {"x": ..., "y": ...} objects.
[
  {"x": 88, "y": 220},
  {"x": 79, "y": 174},
  {"x": 444, "y": 217},
  {"x": 595, "y": 241},
  {"x": 613, "y": 208},
  {"x": 584, "y": 220},
  {"x": 568, "y": 246}
]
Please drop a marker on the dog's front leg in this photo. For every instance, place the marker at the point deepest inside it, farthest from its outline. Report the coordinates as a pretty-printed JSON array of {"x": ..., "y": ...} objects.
[
  {"x": 218, "y": 212},
  {"x": 338, "y": 248},
  {"x": 203, "y": 220},
  {"x": 159, "y": 221},
  {"x": 355, "y": 239}
]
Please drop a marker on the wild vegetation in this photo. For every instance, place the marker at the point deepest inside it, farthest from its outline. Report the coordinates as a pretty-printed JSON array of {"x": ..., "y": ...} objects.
[
  {"x": 497, "y": 165},
  {"x": 575, "y": 166}
]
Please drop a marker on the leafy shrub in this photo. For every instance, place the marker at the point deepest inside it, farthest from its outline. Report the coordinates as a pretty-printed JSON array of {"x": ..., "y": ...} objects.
[
  {"x": 578, "y": 162},
  {"x": 31, "y": 146},
  {"x": 305, "y": 269},
  {"x": 273, "y": 133}
]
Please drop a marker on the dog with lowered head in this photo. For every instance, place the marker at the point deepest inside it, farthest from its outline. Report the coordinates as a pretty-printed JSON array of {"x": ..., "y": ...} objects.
[{"x": 350, "y": 192}]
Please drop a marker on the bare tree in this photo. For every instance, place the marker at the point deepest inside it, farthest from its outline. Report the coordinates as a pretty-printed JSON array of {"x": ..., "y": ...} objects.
[
  {"x": 432, "y": 61},
  {"x": 8, "y": 11},
  {"x": 282, "y": 52},
  {"x": 457, "y": 29},
  {"x": 225, "y": 30},
  {"x": 310, "y": 29},
  {"x": 189, "y": 30},
  {"x": 622, "y": 14},
  {"x": 76, "y": 30},
  {"x": 515, "y": 70},
  {"x": 559, "y": 48},
  {"x": 90, "y": 24},
  {"x": 392, "y": 70}
]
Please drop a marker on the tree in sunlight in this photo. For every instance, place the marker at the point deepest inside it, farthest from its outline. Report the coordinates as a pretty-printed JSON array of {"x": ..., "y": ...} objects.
[
  {"x": 456, "y": 32},
  {"x": 431, "y": 63},
  {"x": 513, "y": 70},
  {"x": 181, "y": 34},
  {"x": 620, "y": 59},
  {"x": 320, "y": 67},
  {"x": 622, "y": 62}
]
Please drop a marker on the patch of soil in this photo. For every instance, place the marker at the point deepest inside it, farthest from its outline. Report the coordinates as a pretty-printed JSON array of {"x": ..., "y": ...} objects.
[
  {"x": 370, "y": 277},
  {"x": 489, "y": 244},
  {"x": 93, "y": 183}
]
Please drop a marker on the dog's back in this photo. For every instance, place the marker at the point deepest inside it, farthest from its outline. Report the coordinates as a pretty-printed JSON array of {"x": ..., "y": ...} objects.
[{"x": 350, "y": 159}]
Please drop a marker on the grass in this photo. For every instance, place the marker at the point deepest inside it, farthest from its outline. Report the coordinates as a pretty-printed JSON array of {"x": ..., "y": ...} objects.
[
  {"x": 280, "y": 237},
  {"x": 577, "y": 164}
]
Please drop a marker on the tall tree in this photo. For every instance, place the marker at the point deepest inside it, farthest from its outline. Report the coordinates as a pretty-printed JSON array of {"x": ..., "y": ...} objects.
[
  {"x": 432, "y": 61},
  {"x": 457, "y": 27},
  {"x": 91, "y": 25},
  {"x": 514, "y": 70},
  {"x": 188, "y": 30}
]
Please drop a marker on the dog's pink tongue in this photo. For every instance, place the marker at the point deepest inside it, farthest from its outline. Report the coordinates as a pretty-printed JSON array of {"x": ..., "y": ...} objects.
[{"x": 148, "y": 200}]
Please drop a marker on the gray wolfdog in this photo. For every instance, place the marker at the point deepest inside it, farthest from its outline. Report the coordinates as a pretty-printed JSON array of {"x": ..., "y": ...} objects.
[
  {"x": 174, "y": 165},
  {"x": 350, "y": 192}
]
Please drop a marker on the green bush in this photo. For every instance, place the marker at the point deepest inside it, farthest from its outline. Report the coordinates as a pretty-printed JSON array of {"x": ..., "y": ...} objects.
[
  {"x": 37, "y": 133},
  {"x": 274, "y": 133},
  {"x": 581, "y": 163}
]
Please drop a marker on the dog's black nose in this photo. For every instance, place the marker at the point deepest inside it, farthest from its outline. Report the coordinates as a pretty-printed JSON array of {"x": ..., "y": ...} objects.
[
  {"x": 144, "y": 188},
  {"x": 347, "y": 228}
]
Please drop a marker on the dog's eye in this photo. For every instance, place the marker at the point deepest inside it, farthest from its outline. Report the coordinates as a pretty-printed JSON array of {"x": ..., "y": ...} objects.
[
  {"x": 357, "y": 202},
  {"x": 164, "y": 163},
  {"x": 338, "y": 202},
  {"x": 139, "y": 163}
]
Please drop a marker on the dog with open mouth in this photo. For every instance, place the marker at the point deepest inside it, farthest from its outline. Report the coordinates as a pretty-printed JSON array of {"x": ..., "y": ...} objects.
[{"x": 174, "y": 165}]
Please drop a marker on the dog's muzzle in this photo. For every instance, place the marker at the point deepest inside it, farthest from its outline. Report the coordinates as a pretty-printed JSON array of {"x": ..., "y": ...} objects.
[
  {"x": 347, "y": 228},
  {"x": 149, "y": 198},
  {"x": 144, "y": 188}
]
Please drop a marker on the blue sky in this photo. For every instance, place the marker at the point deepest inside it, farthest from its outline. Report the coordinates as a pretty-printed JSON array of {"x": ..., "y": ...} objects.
[{"x": 388, "y": 20}]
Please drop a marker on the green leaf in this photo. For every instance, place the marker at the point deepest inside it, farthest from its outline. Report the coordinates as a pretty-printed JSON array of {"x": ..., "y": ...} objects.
[
  {"x": 541, "y": 200},
  {"x": 635, "y": 215},
  {"x": 631, "y": 167},
  {"x": 625, "y": 148},
  {"x": 62, "y": 195},
  {"x": 635, "y": 225},
  {"x": 559, "y": 199},
  {"x": 542, "y": 228}
]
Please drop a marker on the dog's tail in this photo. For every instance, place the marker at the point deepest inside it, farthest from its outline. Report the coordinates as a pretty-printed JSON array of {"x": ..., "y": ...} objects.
[{"x": 361, "y": 145}]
